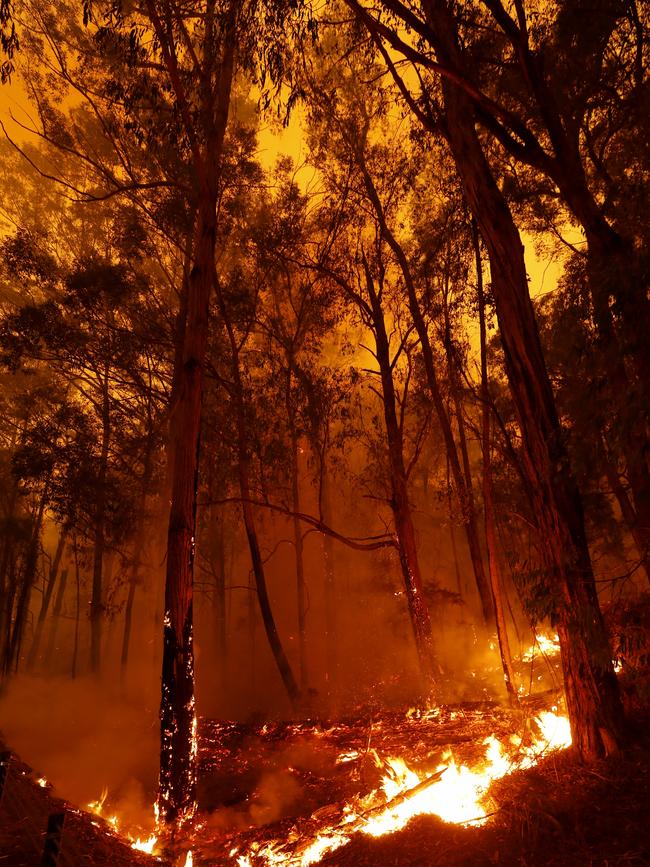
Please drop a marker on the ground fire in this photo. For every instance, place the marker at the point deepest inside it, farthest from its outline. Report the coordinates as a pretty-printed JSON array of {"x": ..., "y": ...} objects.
[{"x": 324, "y": 432}]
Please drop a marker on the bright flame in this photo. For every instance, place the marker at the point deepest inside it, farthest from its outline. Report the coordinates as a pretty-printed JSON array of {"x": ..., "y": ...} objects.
[
  {"x": 189, "y": 860},
  {"x": 147, "y": 845},
  {"x": 456, "y": 794},
  {"x": 42, "y": 782},
  {"x": 547, "y": 644}
]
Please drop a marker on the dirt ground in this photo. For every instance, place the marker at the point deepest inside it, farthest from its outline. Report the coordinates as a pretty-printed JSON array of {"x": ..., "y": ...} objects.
[{"x": 558, "y": 813}]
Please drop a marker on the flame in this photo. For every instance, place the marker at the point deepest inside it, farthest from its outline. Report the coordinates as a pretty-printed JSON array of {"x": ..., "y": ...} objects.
[
  {"x": 189, "y": 860},
  {"x": 545, "y": 644},
  {"x": 139, "y": 843},
  {"x": 42, "y": 782},
  {"x": 455, "y": 793}
]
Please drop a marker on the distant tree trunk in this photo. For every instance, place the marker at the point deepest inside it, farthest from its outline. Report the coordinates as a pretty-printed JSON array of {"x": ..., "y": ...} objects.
[
  {"x": 469, "y": 517},
  {"x": 301, "y": 590},
  {"x": 27, "y": 583},
  {"x": 452, "y": 535},
  {"x": 96, "y": 602},
  {"x": 488, "y": 496},
  {"x": 220, "y": 606},
  {"x": 56, "y": 614},
  {"x": 330, "y": 577},
  {"x": 593, "y": 699},
  {"x": 470, "y": 521},
  {"x": 75, "y": 647},
  {"x": 405, "y": 531},
  {"x": 639, "y": 533},
  {"x": 47, "y": 596},
  {"x": 243, "y": 460},
  {"x": 139, "y": 543}
]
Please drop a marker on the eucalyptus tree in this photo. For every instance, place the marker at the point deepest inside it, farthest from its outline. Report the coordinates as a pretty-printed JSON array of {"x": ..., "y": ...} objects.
[{"x": 449, "y": 108}]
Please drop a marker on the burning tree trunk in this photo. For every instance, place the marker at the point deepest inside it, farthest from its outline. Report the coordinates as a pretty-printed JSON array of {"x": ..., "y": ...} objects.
[
  {"x": 204, "y": 116},
  {"x": 488, "y": 498},
  {"x": 177, "y": 713},
  {"x": 592, "y": 694}
]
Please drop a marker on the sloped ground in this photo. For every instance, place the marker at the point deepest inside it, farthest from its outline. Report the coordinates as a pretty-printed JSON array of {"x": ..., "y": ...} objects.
[
  {"x": 259, "y": 783},
  {"x": 24, "y": 810}
]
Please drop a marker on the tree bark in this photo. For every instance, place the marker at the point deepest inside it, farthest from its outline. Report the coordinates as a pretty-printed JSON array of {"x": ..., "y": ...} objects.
[
  {"x": 494, "y": 567},
  {"x": 405, "y": 531},
  {"x": 468, "y": 515},
  {"x": 96, "y": 602},
  {"x": 47, "y": 597},
  {"x": 593, "y": 700},
  {"x": 275, "y": 643}
]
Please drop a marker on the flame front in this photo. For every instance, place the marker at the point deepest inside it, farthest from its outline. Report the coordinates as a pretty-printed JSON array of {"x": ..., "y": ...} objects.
[{"x": 456, "y": 794}]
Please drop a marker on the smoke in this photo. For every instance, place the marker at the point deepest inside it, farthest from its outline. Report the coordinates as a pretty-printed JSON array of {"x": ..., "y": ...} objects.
[{"x": 84, "y": 736}]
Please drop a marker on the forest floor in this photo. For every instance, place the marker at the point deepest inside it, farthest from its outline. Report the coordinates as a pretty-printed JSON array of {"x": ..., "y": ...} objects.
[{"x": 283, "y": 782}]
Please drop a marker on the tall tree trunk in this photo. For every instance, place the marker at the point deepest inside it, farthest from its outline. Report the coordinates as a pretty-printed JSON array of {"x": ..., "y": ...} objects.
[
  {"x": 405, "y": 531},
  {"x": 96, "y": 602},
  {"x": 301, "y": 590},
  {"x": 494, "y": 568},
  {"x": 640, "y": 534},
  {"x": 177, "y": 782},
  {"x": 56, "y": 614},
  {"x": 470, "y": 514},
  {"x": 591, "y": 688},
  {"x": 27, "y": 583},
  {"x": 47, "y": 597},
  {"x": 266, "y": 611},
  {"x": 176, "y": 800},
  {"x": 331, "y": 656},
  {"x": 469, "y": 519},
  {"x": 138, "y": 547}
]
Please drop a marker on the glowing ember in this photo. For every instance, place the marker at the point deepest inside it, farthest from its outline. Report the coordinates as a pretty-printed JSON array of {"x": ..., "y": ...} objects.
[
  {"x": 147, "y": 845},
  {"x": 545, "y": 644},
  {"x": 455, "y": 793},
  {"x": 42, "y": 782},
  {"x": 139, "y": 843}
]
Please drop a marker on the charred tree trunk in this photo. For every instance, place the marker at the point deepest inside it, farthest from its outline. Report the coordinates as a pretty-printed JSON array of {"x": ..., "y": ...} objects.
[
  {"x": 405, "y": 531},
  {"x": 592, "y": 695},
  {"x": 177, "y": 714},
  {"x": 177, "y": 782},
  {"x": 47, "y": 597},
  {"x": 494, "y": 568}
]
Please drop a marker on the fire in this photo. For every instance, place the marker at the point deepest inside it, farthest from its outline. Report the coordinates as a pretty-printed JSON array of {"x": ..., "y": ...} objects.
[
  {"x": 455, "y": 793},
  {"x": 139, "y": 843},
  {"x": 545, "y": 644}
]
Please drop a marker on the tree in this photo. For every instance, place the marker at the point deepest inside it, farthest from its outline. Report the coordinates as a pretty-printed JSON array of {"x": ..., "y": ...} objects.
[{"x": 592, "y": 693}]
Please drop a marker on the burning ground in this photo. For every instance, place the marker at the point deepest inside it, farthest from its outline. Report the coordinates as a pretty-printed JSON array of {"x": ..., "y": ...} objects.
[{"x": 465, "y": 784}]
